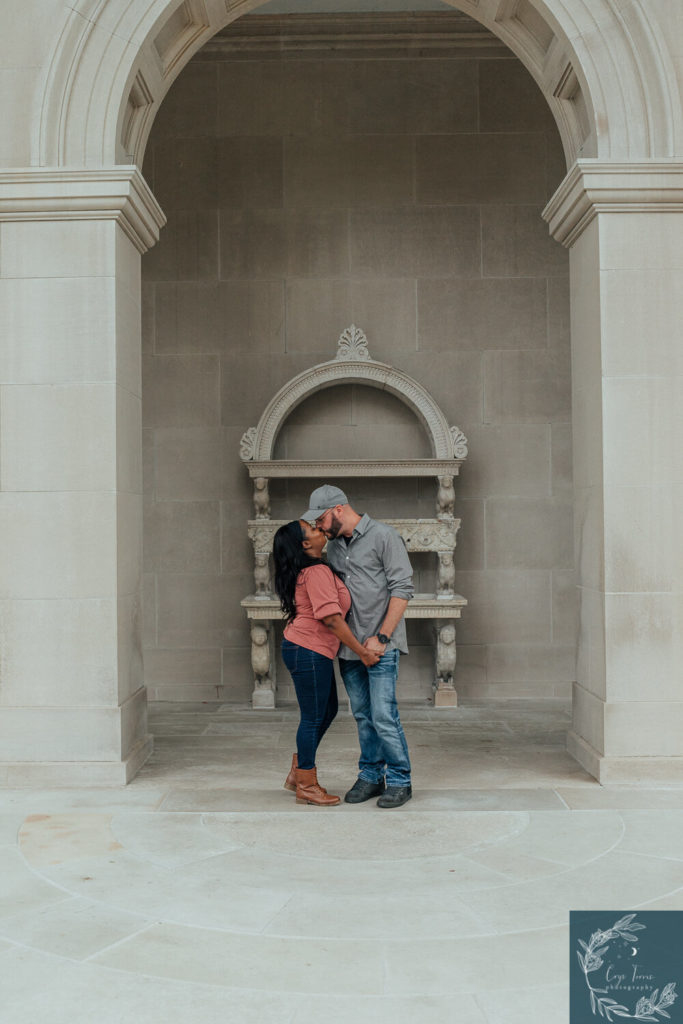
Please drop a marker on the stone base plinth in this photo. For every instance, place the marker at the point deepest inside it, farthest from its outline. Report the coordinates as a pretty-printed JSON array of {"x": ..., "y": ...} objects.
[
  {"x": 81, "y": 774},
  {"x": 626, "y": 771},
  {"x": 445, "y": 698},
  {"x": 263, "y": 698}
]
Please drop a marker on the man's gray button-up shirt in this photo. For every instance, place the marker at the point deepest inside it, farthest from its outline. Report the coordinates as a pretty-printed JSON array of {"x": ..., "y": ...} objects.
[{"x": 375, "y": 567}]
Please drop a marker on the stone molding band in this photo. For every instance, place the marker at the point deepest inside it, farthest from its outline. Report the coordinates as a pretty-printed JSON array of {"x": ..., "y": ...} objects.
[
  {"x": 117, "y": 193},
  {"x": 604, "y": 186}
]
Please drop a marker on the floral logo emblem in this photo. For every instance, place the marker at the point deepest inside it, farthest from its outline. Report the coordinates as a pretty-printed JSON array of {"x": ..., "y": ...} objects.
[{"x": 608, "y": 957}]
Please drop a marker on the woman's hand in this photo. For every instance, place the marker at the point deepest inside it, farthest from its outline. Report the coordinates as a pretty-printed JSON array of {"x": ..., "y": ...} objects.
[
  {"x": 370, "y": 658},
  {"x": 341, "y": 629}
]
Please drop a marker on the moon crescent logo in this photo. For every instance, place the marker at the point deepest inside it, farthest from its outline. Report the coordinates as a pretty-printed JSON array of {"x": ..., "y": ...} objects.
[{"x": 634, "y": 951}]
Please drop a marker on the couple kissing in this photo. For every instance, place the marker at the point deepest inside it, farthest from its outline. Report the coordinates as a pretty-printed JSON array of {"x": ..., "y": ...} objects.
[{"x": 351, "y": 607}]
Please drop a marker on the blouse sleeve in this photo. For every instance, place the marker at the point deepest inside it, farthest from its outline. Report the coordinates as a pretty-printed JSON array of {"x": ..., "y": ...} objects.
[{"x": 322, "y": 591}]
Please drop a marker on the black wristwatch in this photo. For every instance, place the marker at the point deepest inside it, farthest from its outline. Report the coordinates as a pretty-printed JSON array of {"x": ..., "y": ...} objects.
[{"x": 383, "y": 638}]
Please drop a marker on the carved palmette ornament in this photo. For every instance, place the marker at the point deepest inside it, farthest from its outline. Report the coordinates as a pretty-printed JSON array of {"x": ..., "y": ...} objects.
[
  {"x": 247, "y": 443},
  {"x": 352, "y": 344},
  {"x": 459, "y": 443}
]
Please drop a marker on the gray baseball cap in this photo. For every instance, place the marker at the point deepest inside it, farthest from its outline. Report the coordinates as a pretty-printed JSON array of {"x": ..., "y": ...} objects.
[{"x": 323, "y": 498}]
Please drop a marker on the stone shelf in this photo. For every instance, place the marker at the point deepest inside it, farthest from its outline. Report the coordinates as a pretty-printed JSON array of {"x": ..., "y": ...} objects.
[
  {"x": 272, "y": 469},
  {"x": 422, "y": 606},
  {"x": 442, "y": 612}
]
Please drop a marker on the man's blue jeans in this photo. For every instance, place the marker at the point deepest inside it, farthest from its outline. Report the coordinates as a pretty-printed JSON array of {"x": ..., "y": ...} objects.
[{"x": 372, "y": 692}]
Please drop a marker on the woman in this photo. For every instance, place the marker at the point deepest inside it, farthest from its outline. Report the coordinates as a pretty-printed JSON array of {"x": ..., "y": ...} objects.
[{"x": 315, "y": 603}]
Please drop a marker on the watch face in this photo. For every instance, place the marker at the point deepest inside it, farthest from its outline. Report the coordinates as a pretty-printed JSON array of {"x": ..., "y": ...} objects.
[{"x": 383, "y": 638}]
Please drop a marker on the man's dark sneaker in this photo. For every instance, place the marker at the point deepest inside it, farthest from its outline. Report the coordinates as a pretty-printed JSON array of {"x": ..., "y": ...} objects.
[
  {"x": 395, "y": 796},
  {"x": 362, "y": 790}
]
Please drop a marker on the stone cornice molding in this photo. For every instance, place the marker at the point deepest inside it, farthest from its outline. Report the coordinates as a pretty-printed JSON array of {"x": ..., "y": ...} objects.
[
  {"x": 376, "y": 33},
  {"x": 604, "y": 186},
  {"x": 118, "y": 193},
  {"x": 258, "y": 442}
]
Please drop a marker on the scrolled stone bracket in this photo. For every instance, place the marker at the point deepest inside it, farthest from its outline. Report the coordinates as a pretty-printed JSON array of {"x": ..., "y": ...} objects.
[
  {"x": 459, "y": 443},
  {"x": 247, "y": 444}
]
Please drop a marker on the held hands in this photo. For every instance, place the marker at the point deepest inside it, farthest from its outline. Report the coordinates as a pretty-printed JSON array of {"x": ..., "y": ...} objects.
[
  {"x": 374, "y": 651},
  {"x": 369, "y": 658},
  {"x": 373, "y": 644}
]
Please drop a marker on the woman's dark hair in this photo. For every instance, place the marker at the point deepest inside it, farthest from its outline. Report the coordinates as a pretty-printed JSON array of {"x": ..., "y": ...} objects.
[{"x": 289, "y": 558}]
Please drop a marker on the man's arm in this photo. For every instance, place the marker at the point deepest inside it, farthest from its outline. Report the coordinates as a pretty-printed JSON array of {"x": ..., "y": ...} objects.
[
  {"x": 399, "y": 573},
  {"x": 395, "y": 612}
]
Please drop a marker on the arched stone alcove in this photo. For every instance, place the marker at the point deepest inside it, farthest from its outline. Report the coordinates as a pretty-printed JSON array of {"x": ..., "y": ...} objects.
[{"x": 76, "y": 210}]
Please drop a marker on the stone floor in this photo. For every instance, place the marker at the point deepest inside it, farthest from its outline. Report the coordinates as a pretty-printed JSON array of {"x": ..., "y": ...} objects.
[{"x": 203, "y": 893}]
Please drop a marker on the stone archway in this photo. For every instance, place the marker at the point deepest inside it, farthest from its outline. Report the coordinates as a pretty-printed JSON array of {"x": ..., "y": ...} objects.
[
  {"x": 82, "y": 214},
  {"x": 605, "y": 73},
  {"x": 446, "y": 442}
]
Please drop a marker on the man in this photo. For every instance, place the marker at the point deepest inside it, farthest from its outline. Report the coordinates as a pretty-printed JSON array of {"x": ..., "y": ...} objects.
[{"x": 374, "y": 563}]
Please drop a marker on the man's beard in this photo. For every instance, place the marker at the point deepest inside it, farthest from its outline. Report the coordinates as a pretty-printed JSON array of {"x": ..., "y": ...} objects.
[{"x": 334, "y": 528}]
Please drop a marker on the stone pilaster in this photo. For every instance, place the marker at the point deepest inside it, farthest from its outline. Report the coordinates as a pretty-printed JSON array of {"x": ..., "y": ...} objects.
[
  {"x": 72, "y": 701},
  {"x": 624, "y": 225}
]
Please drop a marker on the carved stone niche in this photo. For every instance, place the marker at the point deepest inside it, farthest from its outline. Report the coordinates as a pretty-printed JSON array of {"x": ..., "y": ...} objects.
[{"x": 353, "y": 364}]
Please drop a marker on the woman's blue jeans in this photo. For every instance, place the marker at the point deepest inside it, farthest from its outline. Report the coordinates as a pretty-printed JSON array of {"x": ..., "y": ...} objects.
[
  {"x": 372, "y": 692},
  {"x": 316, "y": 692}
]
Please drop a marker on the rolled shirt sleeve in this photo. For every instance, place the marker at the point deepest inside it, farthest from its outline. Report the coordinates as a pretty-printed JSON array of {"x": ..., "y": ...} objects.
[
  {"x": 399, "y": 572},
  {"x": 322, "y": 591}
]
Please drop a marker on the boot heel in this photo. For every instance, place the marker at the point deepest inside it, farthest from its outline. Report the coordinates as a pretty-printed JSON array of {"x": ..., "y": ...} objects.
[{"x": 301, "y": 800}]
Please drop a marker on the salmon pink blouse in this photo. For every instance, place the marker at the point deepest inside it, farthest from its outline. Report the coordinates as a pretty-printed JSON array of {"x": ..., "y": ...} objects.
[{"x": 318, "y": 593}]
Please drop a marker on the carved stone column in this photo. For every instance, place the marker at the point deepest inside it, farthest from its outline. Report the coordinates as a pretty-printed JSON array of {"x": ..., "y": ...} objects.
[
  {"x": 261, "y": 498},
  {"x": 445, "y": 499},
  {"x": 445, "y": 579},
  {"x": 445, "y": 695},
  {"x": 73, "y": 708},
  {"x": 263, "y": 664},
  {"x": 623, "y": 224}
]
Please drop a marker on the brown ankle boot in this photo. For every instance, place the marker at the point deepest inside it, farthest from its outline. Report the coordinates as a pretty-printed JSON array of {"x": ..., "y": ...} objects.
[
  {"x": 290, "y": 781},
  {"x": 309, "y": 792}
]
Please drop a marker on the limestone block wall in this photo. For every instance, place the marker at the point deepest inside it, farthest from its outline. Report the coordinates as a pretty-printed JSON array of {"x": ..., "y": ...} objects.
[{"x": 402, "y": 194}]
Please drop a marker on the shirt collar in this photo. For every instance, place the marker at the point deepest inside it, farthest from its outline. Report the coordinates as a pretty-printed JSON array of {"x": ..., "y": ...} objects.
[{"x": 362, "y": 525}]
